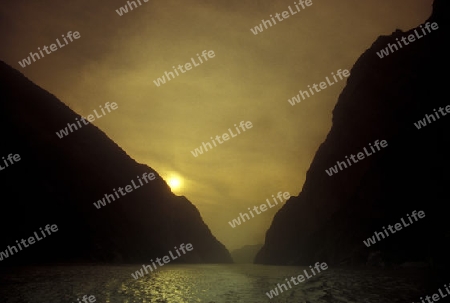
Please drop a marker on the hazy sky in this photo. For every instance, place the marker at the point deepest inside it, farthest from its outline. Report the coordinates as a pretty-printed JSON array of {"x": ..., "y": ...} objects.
[{"x": 250, "y": 78}]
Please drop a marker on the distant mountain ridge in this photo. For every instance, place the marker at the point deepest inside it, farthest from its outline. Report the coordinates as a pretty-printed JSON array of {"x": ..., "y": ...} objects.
[
  {"x": 382, "y": 100},
  {"x": 58, "y": 180},
  {"x": 245, "y": 254}
]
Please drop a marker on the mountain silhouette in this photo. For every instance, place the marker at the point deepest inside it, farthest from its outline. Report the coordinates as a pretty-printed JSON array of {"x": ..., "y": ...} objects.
[
  {"x": 58, "y": 180},
  {"x": 382, "y": 100},
  {"x": 246, "y": 253}
]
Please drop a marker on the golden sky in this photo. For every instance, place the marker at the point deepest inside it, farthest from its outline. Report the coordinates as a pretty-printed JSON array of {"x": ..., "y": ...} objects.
[{"x": 250, "y": 78}]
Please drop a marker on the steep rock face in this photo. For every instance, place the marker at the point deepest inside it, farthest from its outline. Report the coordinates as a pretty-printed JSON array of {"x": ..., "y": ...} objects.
[
  {"x": 383, "y": 98},
  {"x": 58, "y": 180}
]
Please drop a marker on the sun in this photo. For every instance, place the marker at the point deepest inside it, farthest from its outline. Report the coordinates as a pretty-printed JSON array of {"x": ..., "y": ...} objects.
[{"x": 174, "y": 183}]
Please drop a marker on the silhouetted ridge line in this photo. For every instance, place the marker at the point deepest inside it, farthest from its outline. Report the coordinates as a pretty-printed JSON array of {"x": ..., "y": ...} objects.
[
  {"x": 69, "y": 175},
  {"x": 333, "y": 215}
]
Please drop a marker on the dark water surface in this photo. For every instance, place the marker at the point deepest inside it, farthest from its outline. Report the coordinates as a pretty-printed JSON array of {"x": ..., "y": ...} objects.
[{"x": 207, "y": 283}]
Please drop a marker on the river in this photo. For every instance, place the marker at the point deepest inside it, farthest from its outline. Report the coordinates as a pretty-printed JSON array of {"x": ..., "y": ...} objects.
[{"x": 207, "y": 283}]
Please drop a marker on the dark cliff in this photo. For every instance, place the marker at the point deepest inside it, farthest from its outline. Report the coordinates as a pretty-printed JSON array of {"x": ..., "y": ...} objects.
[
  {"x": 58, "y": 180},
  {"x": 383, "y": 98}
]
